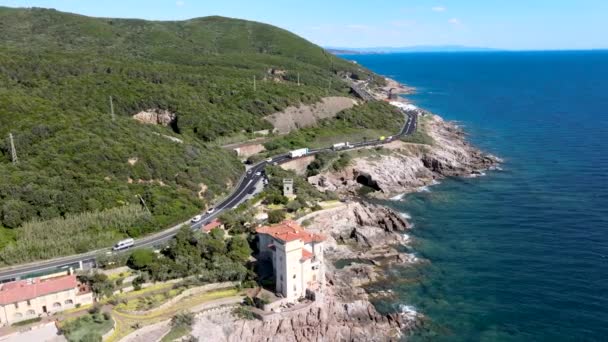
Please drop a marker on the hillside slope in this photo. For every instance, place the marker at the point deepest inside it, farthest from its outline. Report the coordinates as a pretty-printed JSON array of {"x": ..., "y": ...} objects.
[{"x": 57, "y": 73}]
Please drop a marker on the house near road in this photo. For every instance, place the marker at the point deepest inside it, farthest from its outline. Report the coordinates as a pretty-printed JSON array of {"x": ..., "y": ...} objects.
[
  {"x": 297, "y": 259},
  {"x": 37, "y": 297},
  {"x": 211, "y": 225}
]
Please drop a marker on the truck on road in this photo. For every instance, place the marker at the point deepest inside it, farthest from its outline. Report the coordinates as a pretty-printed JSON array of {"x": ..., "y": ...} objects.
[
  {"x": 342, "y": 145},
  {"x": 298, "y": 153}
]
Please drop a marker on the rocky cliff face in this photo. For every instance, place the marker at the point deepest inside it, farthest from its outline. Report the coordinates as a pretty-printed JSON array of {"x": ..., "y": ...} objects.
[
  {"x": 357, "y": 231},
  {"x": 411, "y": 166},
  {"x": 156, "y": 117},
  {"x": 333, "y": 321}
]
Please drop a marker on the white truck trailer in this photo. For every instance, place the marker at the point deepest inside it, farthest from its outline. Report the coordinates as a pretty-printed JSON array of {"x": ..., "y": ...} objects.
[
  {"x": 298, "y": 153},
  {"x": 342, "y": 145}
]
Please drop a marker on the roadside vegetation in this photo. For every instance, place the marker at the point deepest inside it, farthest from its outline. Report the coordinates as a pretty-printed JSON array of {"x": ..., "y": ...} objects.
[
  {"x": 73, "y": 234},
  {"x": 367, "y": 121},
  {"x": 75, "y": 157},
  {"x": 211, "y": 257},
  {"x": 420, "y": 136}
]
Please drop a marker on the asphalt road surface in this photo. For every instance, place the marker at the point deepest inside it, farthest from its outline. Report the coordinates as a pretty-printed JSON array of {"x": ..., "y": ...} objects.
[{"x": 243, "y": 189}]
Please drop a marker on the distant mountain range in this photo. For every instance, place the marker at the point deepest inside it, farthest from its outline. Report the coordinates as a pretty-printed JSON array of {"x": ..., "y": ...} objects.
[{"x": 417, "y": 48}]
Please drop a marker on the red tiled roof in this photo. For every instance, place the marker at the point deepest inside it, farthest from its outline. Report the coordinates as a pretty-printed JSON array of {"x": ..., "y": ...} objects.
[
  {"x": 213, "y": 224},
  {"x": 306, "y": 255},
  {"x": 21, "y": 290},
  {"x": 290, "y": 230}
]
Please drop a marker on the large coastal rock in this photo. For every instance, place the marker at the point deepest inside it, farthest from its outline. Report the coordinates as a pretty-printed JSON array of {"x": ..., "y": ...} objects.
[
  {"x": 410, "y": 166},
  {"x": 358, "y": 231},
  {"x": 332, "y": 321}
]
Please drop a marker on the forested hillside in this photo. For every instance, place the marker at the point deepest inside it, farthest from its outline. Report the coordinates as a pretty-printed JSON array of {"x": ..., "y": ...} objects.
[{"x": 57, "y": 73}]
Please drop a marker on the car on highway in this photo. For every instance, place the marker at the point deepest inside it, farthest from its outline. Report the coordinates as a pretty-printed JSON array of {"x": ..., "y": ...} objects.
[
  {"x": 196, "y": 218},
  {"x": 269, "y": 160},
  {"x": 259, "y": 173},
  {"x": 210, "y": 210}
]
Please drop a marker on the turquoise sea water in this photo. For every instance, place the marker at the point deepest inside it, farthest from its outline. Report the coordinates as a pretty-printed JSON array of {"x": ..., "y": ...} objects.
[{"x": 520, "y": 254}]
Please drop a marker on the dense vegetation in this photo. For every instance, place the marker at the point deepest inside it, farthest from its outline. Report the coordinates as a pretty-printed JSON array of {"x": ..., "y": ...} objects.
[
  {"x": 211, "y": 257},
  {"x": 87, "y": 328},
  {"x": 73, "y": 234},
  {"x": 57, "y": 72}
]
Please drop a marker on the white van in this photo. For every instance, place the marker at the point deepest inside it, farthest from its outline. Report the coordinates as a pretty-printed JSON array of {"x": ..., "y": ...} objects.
[{"x": 123, "y": 244}]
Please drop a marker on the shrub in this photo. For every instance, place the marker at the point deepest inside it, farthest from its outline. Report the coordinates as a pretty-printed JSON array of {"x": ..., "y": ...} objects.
[
  {"x": 141, "y": 259},
  {"x": 276, "y": 216},
  {"x": 183, "y": 319}
]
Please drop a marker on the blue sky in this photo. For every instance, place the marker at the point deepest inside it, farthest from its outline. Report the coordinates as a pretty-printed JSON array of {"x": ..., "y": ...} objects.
[{"x": 508, "y": 24}]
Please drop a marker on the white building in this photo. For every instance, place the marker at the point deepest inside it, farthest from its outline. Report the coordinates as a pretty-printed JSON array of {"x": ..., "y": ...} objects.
[{"x": 297, "y": 258}]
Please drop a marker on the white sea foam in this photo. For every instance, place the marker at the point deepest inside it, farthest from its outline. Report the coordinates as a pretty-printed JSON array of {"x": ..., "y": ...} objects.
[
  {"x": 398, "y": 197},
  {"x": 475, "y": 175},
  {"x": 408, "y": 310},
  {"x": 405, "y": 215},
  {"x": 423, "y": 189}
]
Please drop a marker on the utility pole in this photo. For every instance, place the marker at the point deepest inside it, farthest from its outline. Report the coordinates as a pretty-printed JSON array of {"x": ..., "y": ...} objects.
[
  {"x": 254, "y": 88},
  {"x": 144, "y": 203},
  {"x": 13, "y": 150},
  {"x": 112, "y": 108},
  {"x": 329, "y": 86},
  {"x": 298, "y": 79}
]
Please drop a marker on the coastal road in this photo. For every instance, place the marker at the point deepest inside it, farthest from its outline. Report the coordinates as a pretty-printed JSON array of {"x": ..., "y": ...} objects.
[{"x": 244, "y": 189}]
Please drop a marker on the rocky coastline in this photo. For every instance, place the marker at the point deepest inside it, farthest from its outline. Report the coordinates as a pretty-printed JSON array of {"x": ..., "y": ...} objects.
[
  {"x": 363, "y": 233},
  {"x": 363, "y": 238},
  {"x": 402, "y": 167}
]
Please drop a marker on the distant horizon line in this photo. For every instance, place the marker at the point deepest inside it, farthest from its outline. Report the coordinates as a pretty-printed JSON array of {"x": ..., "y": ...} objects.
[{"x": 439, "y": 48}]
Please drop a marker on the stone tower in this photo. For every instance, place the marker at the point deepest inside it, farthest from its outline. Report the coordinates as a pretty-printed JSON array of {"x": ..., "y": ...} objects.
[{"x": 288, "y": 188}]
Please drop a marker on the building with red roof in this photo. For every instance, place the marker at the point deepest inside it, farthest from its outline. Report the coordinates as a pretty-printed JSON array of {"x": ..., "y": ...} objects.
[
  {"x": 296, "y": 255},
  {"x": 31, "y": 298},
  {"x": 211, "y": 225}
]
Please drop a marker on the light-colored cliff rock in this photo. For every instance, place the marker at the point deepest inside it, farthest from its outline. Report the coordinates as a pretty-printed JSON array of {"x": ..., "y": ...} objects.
[
  {"x": 156, "y": 117},
  {"x": 411, "y": 166}
]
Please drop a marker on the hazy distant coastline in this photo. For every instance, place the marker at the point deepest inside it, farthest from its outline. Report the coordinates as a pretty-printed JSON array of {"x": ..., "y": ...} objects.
[{"x": 406, "y": 49}]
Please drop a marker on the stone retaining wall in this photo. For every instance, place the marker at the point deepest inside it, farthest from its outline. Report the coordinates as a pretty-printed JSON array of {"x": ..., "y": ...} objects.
[
  {"x": 188, "y": 292},
  {"x": 110, "y": 332}
]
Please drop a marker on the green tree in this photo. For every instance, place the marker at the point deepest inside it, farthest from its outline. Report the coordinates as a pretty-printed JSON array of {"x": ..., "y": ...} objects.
[
  {"x": 141, "y": 259},
  {"x": 99, "y": 283},
  {"x": 238, "y": 249},
  {"x": 276, "y": 216},
  {"x": 15, "y": 212},
  {"x": 184, "y": 319},
  {"x": 91, "y": 337}
]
